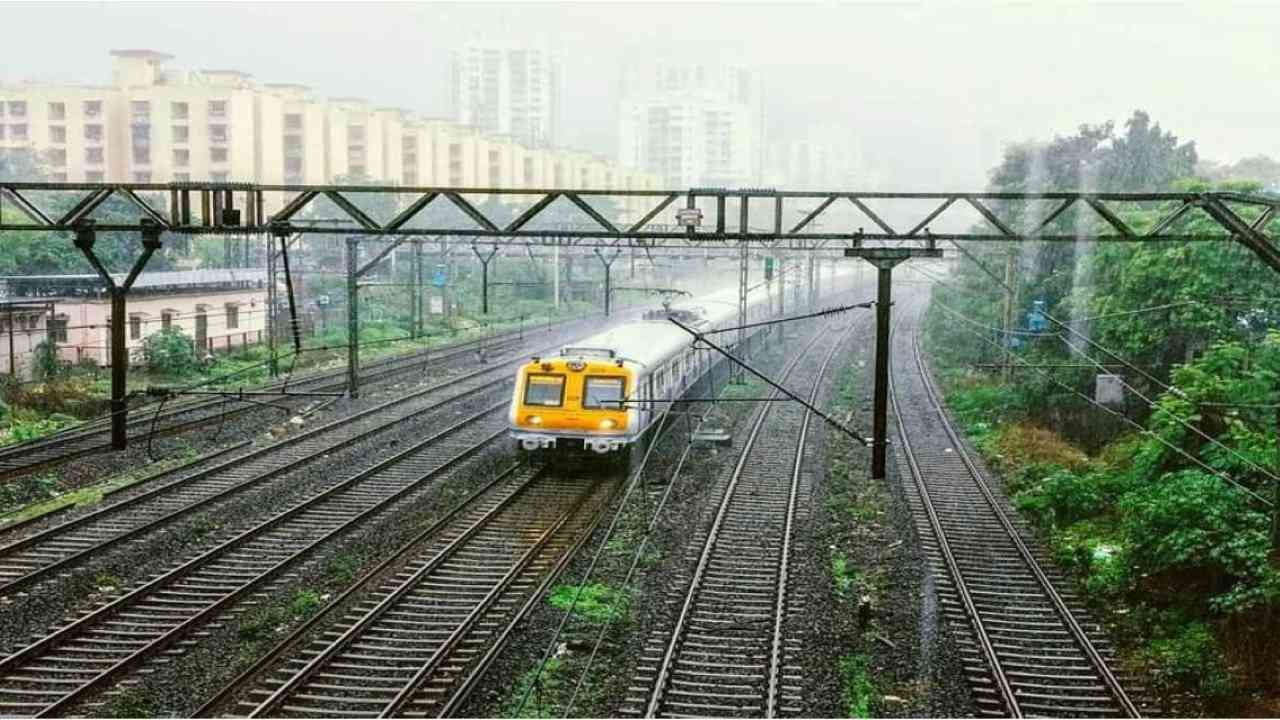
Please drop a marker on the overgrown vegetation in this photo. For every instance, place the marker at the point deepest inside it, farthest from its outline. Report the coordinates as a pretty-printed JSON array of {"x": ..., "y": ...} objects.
[
  {"x": 540, "y": 692},
  {"x": 1152, "y": 503},
  {"x": 857, "y": 689},
  {"x": 595, "y": 603}
]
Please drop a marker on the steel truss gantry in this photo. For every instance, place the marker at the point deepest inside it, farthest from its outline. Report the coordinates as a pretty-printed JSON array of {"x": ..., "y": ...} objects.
[
  {"x": 201, "y": 208},
  {"x": 234, "y": 208}
]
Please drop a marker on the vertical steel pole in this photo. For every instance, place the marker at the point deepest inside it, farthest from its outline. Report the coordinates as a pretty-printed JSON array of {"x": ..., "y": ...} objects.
[
  {"x": 353, "y": 319},
  {"x": 288, "y": 286},
  {"x": 744, "y": 270},
  {"x": 880, "y": 420},
  {"x": 555, "y": 274},
  {"x": 274, "y": 364},
  {"x": 417, "y": 289},
  {"x": 119, "y": 370}
]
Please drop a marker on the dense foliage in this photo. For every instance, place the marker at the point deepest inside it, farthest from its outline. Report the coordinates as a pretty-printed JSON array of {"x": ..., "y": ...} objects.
[{"x": 1164, "y": 514}]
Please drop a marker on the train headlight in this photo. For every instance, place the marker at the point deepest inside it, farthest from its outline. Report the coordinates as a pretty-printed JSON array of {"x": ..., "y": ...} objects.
[
  {"x": 534, "y": 419},
  {"x": 608, "y": 424}
]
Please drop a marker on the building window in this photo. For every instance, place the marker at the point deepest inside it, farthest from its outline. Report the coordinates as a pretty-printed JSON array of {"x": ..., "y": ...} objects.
[
  {"x": 166, "y": 320},
  {"x": 141, "y": 155},
  {"x": 93, "y": 133},
  {"x": 142, "y": 177},
  {"x": 293, "y": 166},
  {"x": 218, "y": 133},
  {"x": 57, "y": 134},
  {"x": 217, "y": 108},
  {"x": 57, "y": 111},
  {"x": 18, "y": 132},
  {"x": 57, "y": 157},
  {"x": 140, "y": 110},
  {"x": 182, "y": 177},
  {"x": 17, "y": 108},
  {"x": 93, "y": 155},
  {"x": 218, "y": 155},
  {"x": 180, "y": 111},
  {"x": 233, "y": 316},
  {"x": 181, "y": 158},
  {"x": 94, "y": 176},
  {"x": 181, "y": 133},
  {"x": 135, "y": 327},
  {"x": 292, "y": 145},
  {"x": 293, "y": 122},
  {"x": 92, "y": 108},
  {"x": 141, "y": 134},
  {"x": 58, "y": 328},
  {"x": 355, "y": 134}
]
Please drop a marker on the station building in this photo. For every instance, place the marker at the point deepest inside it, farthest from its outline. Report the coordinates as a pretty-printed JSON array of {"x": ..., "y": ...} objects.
[{"x": 218, "y": 309}]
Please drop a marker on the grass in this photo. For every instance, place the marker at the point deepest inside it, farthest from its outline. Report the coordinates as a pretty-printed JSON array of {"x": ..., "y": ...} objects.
[
  {"x": 857, "y": 690},
  {"x": 261, "y": 623},
  {"x": 45, "y": 486},
  {"x": 132, "y": 703},
  {"x": 596, "y": 603},
  {"x": 543, "y": 689},
  {"x": 341, "y": 569},
  {"x": 845, "y": 578}
]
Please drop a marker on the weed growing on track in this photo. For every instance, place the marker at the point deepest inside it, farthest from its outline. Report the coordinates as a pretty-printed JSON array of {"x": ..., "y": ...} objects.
[
  {"x": 858, "y": 690},
  {"x": 135, "y": 702},
  {"x": 543, "y": 689},
  {"x": 596, "y": 602}
]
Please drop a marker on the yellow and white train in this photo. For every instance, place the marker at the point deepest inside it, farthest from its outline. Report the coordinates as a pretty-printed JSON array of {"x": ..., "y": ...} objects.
[{"x": 603, "y": 393}]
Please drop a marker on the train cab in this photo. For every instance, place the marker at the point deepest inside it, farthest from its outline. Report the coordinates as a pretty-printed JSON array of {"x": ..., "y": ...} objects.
[{"x": 574, "y": 400}]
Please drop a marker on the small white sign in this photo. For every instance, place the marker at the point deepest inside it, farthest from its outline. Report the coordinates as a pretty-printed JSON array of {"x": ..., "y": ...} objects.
[{"x": 437, "y": 306}]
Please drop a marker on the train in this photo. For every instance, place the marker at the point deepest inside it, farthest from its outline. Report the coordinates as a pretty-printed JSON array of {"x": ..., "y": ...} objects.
[{"x": 602, "y": 395}]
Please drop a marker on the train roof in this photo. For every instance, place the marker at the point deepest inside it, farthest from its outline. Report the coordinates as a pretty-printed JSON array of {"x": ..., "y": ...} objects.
[{"x": 650, "y": 342}]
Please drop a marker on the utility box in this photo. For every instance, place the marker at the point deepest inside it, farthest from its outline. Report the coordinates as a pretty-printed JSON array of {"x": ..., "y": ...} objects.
[{"x": 1109, "y": 390}]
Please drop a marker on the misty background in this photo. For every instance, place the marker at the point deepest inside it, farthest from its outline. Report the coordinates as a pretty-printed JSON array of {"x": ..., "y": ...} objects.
[{"x": 931, "y": 94}]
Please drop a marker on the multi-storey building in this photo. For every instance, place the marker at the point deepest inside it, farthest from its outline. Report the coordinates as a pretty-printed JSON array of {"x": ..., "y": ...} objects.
[
  {"x": 823, "y": 157},
  {"x": 153, "y": 124},
  {"x": 692, "y": 125},
  {"x": 508, "y": 90}
]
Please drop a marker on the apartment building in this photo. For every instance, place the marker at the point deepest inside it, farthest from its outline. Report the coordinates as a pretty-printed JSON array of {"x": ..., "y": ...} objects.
[
  {"x": 509, "y": 90},
  {"x": 158, "y": 125},
  {"x": 692, "y": 125},
  {"x": 822, "y": 157}
]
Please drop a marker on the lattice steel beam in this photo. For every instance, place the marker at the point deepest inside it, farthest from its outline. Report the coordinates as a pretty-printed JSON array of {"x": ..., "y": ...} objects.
[{"x": 197, "y": 208}]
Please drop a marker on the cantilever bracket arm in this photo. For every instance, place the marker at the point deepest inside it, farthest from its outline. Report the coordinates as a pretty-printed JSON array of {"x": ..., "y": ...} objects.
[{"x": 700, "y": 337}]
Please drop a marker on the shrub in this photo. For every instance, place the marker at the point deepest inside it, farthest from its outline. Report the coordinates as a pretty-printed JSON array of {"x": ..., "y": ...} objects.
[
  {"x": 1191, "y": 657},
  {"x": 46, "y": 363},
  {"x": 170, "y": 352}
]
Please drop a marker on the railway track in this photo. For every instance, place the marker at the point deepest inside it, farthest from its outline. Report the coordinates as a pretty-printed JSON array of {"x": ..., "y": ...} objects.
[
  {"x": 26, "y": 560},
  {"x": 95, "y": 436},
  {"x": 1027, "y": 648},
  {"x": 728, "y": 654},
  {"x": 419, "y": 634},
  {"x": 55, "y": 673}
]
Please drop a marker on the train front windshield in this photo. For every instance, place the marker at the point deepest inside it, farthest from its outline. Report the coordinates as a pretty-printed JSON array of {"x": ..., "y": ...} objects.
[
  {"x": 603, "y": 392},
  {"x": 544, "y": 390}
]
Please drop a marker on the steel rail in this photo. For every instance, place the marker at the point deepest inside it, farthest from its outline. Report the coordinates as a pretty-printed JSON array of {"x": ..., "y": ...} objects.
[
  {"x": 1007, "y": 696},
  {"x": 276, "y": 652},
  {"x": 56, "y": 534},
  {"x": 683, "y": 618},
  {"x": 784, "y": 569},
  {"x": 271, "y": 703},
  {"x": 171, "y": 635},
  {"x": 22, "y": 454},
  {"x": 60, "y": 536},
  {"x": 1068, "y": 617}
]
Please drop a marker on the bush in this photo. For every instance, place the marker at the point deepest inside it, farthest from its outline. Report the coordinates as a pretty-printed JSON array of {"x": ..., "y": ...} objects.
[
  {"x": 597, "y": 603},
  {"x": 47, "y": 365},
  {"x": 1191, "y": 657},
  {"x": 170, "y": 352}
]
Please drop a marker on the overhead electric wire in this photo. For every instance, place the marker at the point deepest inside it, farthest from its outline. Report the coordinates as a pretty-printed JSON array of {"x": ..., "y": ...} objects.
[{"x": 1144, "y": 431}]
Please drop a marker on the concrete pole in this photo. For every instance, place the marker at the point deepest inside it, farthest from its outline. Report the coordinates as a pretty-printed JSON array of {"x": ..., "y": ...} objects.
[
  {"x": 417, "y": 289},
  {"x": 555, "y": 274}
]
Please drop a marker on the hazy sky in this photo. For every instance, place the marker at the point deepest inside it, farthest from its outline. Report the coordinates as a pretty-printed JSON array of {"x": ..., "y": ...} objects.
[{"x": 930, "y": 91}]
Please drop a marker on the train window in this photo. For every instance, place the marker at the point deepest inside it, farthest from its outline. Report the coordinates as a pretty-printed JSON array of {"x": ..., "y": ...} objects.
[
  {"x": 544, "y": 390},
  {"x": 603, "y": 392}
]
